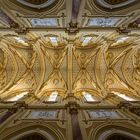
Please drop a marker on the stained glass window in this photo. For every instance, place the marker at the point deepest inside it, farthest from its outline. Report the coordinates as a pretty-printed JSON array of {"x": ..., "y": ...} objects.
[
  {"x": 88, "y": 97},
  {"x": 18, "y": 97},
  {"x": 53, "y": 96}
]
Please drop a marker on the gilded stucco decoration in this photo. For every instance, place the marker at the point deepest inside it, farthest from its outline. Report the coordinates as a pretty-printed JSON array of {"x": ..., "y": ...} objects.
[{"x": 104, "y": 66}]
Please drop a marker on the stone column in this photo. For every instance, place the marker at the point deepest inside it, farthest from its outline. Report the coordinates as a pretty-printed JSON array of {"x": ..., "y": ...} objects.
[
  {"x": 9, "y": 113},
  {"x": 76, "y": 131}
]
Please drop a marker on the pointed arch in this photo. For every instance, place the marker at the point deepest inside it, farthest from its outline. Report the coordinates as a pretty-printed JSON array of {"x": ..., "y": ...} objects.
[
  {"x": 119, "y": 137},
  {"x": 33, "y": 136},
  {"x": 103, "y": 132},
  {"x": 26, "y": 129}
]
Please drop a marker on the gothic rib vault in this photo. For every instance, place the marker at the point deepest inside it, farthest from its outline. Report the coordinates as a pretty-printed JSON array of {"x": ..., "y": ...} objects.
[{"x": 101, "y": 67}]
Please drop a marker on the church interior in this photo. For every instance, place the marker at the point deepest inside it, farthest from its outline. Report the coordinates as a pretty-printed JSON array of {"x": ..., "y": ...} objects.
[{"x": 69, "y": 69}]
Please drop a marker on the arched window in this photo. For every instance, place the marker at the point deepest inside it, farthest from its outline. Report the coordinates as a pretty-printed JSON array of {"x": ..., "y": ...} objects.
[
  {"x": 33, "y": 137},
  {"x": 88, "y": 97},
  {"x": 17, "y": 97},
  {"x": 53, "y": 96},
  {"x": 53, "y": 40},
  {"x": 123, "y": 96},
  {"x": 86, "y": 40}
]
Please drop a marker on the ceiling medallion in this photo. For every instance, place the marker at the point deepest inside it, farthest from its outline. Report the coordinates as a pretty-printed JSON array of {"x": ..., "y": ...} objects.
[
  {"x": 110, "y": 55},
  {"x": 56, "y": 81},
  {"x": 114, "y": 4},
  {"x": 37, "y": 4},
  {"x": 83, "y": 55},
  {"x": 83, "y": 81},
  {"x": 56, "y": 55},
  {"x": 110, "y": 82}
]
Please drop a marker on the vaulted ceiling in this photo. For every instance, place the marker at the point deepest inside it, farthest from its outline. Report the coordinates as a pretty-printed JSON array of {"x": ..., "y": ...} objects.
[{"x": 70, "y": 47}]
